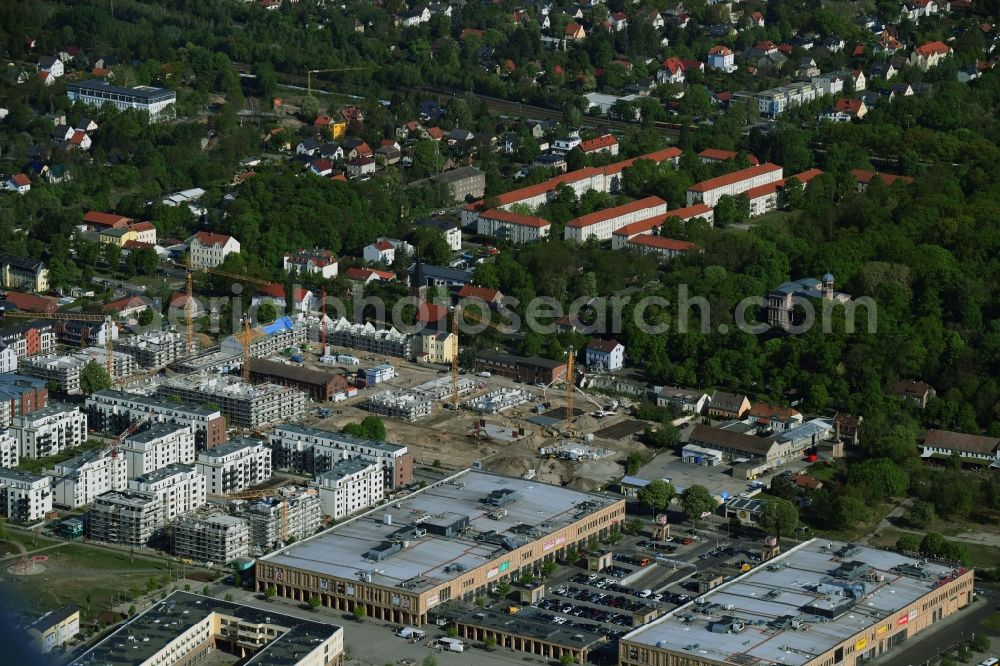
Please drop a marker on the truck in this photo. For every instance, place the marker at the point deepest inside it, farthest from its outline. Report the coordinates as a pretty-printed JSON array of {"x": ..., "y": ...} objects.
[{"x": 451, "y": 644}]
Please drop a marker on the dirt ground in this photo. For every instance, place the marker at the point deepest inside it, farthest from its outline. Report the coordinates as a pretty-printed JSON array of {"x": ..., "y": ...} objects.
[{"x": 447, "y": 437}]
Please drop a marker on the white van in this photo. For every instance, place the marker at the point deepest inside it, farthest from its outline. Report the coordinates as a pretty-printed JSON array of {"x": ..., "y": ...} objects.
[
  {"x": 992, "y": 661},
  {"x": 645, "y": 594}
]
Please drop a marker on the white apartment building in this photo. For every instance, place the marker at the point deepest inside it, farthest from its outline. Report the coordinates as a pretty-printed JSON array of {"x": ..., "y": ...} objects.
[
  {"x": 24, "y": 497},
  {"x": 350, "y": 486},
  {"x": 621, "y": 238},
  {"x": 235, "y": 465},
  {"x": 9, "y": 456},
  {"x": 154, "y": 101},
  {"x": 48, "y": 431},
  {"x": 513, "y": 227},
  {"x": 78, "y": 481},
  {"x": 602, "y": 223},
  {"x": 65, "y": 369},
  {"x": 8, "y": 359},
  {"x": 289, "y": 514},
  {"x": 208, "y": 250},
  {"x": 710, "y": 191},
  {"x": 775, "y": 101},
  {"x": 157, "y": 446},
  {"x": 126, "y": 518},
  {"x": 180, "y": 488},
  {"x": 313, "y": 451},
  {"x": 212, "y": 537}
]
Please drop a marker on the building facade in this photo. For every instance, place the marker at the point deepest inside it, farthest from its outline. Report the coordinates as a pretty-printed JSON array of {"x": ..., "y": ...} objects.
[
  {"x": 157, "y": 446},
  {"x": 180, "y": 489},
  {"x": 733, "y": 184},
  {"x": 245, "y": 405},
  {"x": 20, "y": 395},
  {"x": 48, "y": 431},
  {"x": 126, "y": 518},
  {"x": 113, "y": 411},
  {"x": 350, "y": 486},
  {"x": 154, "y": 101},
  {"x": 23, "y": 273},
  {"x": 24, "y": 497},
  {"x": 214, "y": 537},
  {"x": 603, "y": 223},
  {"x": 78, "y": 481},
  {"x": 314, "y": 451},
  {"x": 209, "y": 250},
  {"x": 235, "y": 465}
]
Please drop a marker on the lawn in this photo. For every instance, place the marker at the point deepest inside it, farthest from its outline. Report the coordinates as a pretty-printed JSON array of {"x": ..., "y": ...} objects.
[
  {"x": 993, "y": 622},
  {"x": 88, "y": 576},
  {"x": 859, "y": 529},
  {"x": 980, "y": 555},
  {"x": 826, "y": 474}
]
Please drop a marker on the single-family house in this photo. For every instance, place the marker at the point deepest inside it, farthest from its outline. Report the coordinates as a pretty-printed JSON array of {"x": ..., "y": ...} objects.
[
  {"x": 722, "y": 58},
  {"x": 929, "y": 55},
  {"x": 360, "y": 167},
  {"x": 915, "y": 391},
  {"x": 681, "y": 399},
  {"x": 725, "y": 405},
  {"x": 368, "y": 275},
  {"x": 52, "y": 65},
  {"x": 773, "y": 417}
]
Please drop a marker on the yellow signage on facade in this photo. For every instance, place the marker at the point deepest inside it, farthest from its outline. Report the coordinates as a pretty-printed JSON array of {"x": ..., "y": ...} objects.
[{"x": 861, "y": 644}]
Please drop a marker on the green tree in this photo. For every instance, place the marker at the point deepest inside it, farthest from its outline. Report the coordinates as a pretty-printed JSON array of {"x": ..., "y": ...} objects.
[
  {"x": 270, "y": 591},
  {"x": 503, "y": 589},
  {"x": 878, "y": 479},
  {"x": 490, "y": 644},
  {"x": 567, "y": 659},
  {"x": 908, "y": 543},
  {"x": 94, "y": 377},
  {"x": 309, "y": 108},
  {"x": 429, "y": 660},
  {"x": 778, "y": 517},
  {"x": 359, "y": 612},
  {"x": 427, "y": 159},
  {"x": 267, "y": 313},
  {"x": 697, "y": 500},
  {"x": 315, "y": 602},
  {"x": 656, "y": 495},
  {"x": 131, "y": 610},
  {"x": 548, "y": 568},
  {"x": 920, "y": 515},
  {"x": 112, "y": 255},
  {"x": 145, "y": 317},
  {"x": 794, "y": 193}
]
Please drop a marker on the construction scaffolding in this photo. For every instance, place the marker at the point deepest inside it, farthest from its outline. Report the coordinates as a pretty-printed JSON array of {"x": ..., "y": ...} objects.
[
  {"x": 497, "y": 401},
  {"x": 399, "y": 404}
]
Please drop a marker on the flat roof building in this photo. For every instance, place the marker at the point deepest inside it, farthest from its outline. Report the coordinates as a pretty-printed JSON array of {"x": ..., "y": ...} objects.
[
  {"x": 54, "y": 629},
  {"x": 185, "y": 625},
  {"x": 154, "y": 349},
  {"x": 126, "y": 518},
  {"x": 65, "y": 369},
  {"x": 350, "y": 486},
  {"x": 154, "y": 101},
  {"x": 211, "y": 536},
  {"x": 24, "y": 497},
  {"x": 529, "y": 369},
  {"x": 246, "y": 405},
  {"x": 450, "y": 540},
  {"x": 314, "y": 451},
  {"x": 288, "y": 514},
  {"x": 820, "y": 603},
  {"x": 79, "y": 480},
  {"x": 180, "y": 488},
  {"x": 48, "y": 431},
  {"x": 235, "y": 465},
  {"x": 157, "y": 446},
  {"x": 114, "y": 411}
]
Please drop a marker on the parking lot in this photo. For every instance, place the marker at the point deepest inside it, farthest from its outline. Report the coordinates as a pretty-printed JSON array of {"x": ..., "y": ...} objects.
[{"x": 645, "y": 579}]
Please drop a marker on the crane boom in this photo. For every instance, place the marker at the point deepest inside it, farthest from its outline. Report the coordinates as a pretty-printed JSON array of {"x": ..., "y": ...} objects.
[{"x": 569, "y": 391}]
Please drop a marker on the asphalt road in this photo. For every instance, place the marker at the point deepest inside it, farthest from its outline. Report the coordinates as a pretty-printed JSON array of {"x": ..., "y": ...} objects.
[{"x": 927, "y": 645}]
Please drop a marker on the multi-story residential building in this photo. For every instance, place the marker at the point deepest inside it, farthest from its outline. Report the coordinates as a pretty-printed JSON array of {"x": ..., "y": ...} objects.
[
  {"x": 29, "y": 339},
  {"x": 65, "y": 370},
  {"x": 126, "y": 518},
  {"x": 775, "y": 101},
  {"x": 620, "y": 238},
  {"x": 464, "y": 183},
  {"x": 314, "y": 262},
  {"x": 54, "y": 629},
  {"x": 721, "y": 57},
  {"x": 235, "y": 465},
  {"x": 313, "y": 451},
  {"x": 8, "y": 360},
  {"x": 276, "y": 520},
  {"x": 602, "y": 179},
  {"x": 78, "y": 481},
  {"x": 350, "y": 486},
  {"x": 75, "y": 333},
  {"x": 20, "y": 395},
  {"x": 211, "y": 536},
  {"x": 23, "y": 273},
  {"x": 24, "y": 497},
  {"x": 154, "y": 101},
  {"x": 48, "y": 431},
  {"x": 514, "y": 227},
  {"x": 208, "y": 250},
  {"x": 180, "y": 488},
  {"x": 929, "y": 55},
  {"x": 435, "y": 346},
  {"x": 662, "y": 247},
  {"x": 270, "y": 339},
  {"x": 245, "y": 405},
  {"x": 9, "y": 454},
  {"x": 452, "y": 232},
  {"x": 114, "y": 411},
  {"x": 601, "y": 224},
  {"x": 365, "y": 337},
  {"x": 154, "y": 349},
  {"x": 606, "y": 143},
  {"x": 157, "y": 446},
  {"x": 710, "y": 191},
  {"x": 606, "y": 355}
]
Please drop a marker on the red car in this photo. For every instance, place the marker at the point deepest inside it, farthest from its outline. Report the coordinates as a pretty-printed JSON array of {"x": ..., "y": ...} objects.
[{"x": 687, "y": 541}]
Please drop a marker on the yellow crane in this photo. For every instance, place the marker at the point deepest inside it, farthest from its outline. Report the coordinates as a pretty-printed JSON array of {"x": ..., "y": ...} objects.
[
  {"x": 310, "y": 72},
  {"x": 189, "y": 303},
  {"x": 569, "y": 390},
  {"x": 65, "y": 316}
]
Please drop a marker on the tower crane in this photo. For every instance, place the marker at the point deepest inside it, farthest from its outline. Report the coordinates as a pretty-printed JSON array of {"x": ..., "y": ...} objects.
[
  {"x": 65, "y": 316},
  {"x": 128, "y": 432},
  {"x": 266, "y": 494},
  {"x": 570, "y": 384}
]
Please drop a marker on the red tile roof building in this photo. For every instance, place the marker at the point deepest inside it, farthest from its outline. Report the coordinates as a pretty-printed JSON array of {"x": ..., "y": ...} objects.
[
  {"x": 666, "y": 248},
  {"x": 603, "y": 223},
  {"x": 719, "y": 155},
  {"x": 710, "y": 191},
  {"x": 622, "y": 236},
  {"x": 602, "y": 144}
]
